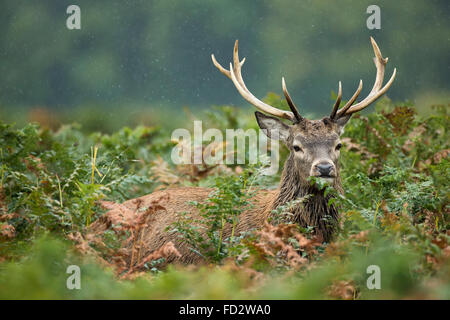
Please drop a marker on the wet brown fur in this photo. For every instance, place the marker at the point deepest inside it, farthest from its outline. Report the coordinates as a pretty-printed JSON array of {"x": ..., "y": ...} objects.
[{"x": 293, "y": 185}]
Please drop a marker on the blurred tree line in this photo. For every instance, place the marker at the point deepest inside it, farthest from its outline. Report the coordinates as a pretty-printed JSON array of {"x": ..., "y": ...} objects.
[{"x": 157, "y": 53}]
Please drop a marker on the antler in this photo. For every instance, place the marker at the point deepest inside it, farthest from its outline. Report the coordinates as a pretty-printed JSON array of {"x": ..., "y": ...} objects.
[
  {"x": 235, "y": 75},
  {"x": 291, "y": 103},
  {"x": 376, "y": 92}
]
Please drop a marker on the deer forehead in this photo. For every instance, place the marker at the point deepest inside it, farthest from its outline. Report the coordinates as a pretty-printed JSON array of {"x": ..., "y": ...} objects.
[{"x": 310, "y": 133}]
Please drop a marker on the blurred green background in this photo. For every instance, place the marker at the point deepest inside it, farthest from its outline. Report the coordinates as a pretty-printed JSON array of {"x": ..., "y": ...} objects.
[{"x": 137, "y": 62}]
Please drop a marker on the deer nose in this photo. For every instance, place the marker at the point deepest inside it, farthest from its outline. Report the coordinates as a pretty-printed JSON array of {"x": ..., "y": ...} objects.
[{"x": 324, "y": 168}]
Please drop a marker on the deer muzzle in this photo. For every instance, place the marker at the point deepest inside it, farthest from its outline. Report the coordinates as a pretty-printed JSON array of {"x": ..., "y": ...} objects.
[{"x": 323, "y": 169}]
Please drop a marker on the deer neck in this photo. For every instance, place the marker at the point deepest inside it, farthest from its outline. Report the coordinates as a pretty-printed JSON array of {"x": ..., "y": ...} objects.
[{"x": 313, "y": 205}]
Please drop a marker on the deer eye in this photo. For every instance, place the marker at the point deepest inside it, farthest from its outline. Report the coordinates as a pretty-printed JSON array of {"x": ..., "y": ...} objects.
[
  {"x": 297, "y": 149},
  {"x": 339, "y": 146}
]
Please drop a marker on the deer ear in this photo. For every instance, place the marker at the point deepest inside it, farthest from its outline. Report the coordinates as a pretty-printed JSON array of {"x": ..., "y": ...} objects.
[
  {"x": 341, "y": 122},
  {"x": 273, "y": 128}
]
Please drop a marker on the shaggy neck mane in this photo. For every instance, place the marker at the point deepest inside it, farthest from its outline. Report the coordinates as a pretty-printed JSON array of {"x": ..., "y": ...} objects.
[{"x": 314, "y": 210}]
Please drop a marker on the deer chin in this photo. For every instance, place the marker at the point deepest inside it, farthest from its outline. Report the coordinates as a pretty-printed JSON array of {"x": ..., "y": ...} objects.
[{"x": 329, "y": 179}]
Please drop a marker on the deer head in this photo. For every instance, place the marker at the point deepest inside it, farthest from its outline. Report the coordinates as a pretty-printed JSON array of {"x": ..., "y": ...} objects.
[{"x": 314, "y": 144}]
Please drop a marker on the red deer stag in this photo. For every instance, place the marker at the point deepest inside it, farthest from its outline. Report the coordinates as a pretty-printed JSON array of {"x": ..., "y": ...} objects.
[{"x": 314, "y": 151}]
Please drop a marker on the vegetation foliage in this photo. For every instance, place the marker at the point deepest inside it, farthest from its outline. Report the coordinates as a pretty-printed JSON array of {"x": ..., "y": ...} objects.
[{"x": 55, "y": 186}]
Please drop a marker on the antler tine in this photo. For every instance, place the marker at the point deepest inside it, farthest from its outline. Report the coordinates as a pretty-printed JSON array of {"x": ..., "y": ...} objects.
[
  {"x": 234, "y": 73},
  {"x": 377, "y": 89},
  {"x": 352, "y": 100},
  {"x": 238, "y": 65},
  {"x": 226, "y": 72},
  {"x": 337, "y": 103},
  {"x": 291, "y": 103}
]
